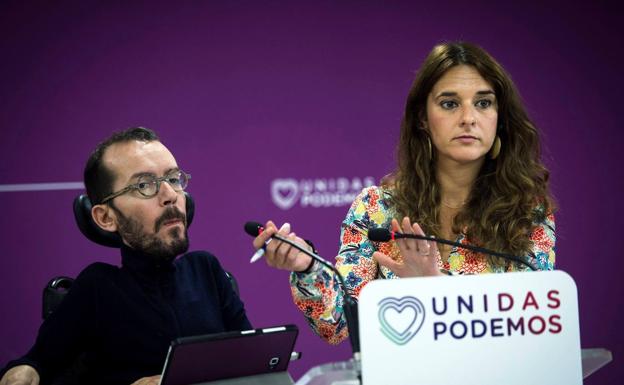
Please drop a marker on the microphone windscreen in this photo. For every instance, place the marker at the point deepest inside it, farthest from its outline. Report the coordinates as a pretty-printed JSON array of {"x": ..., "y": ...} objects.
[
  {"x": 253, "y": 228},
  {"x": 379, "y": 235}
]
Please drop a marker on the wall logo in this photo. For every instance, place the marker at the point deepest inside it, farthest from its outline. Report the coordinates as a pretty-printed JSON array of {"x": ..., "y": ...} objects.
[
  {"x": 320, "y": 192},
  {"x": 401, "y": 318},
  {"x": 284, "y": 192}
]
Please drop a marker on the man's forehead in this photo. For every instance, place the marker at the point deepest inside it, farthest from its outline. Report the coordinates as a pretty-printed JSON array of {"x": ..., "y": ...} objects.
[{"x": 128, "y": 158}]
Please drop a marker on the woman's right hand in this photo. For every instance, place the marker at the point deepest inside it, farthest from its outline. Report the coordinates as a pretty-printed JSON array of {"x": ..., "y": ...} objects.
[
  {"x": 20, "y": 375},
  {"x": 279, "y": 254}
]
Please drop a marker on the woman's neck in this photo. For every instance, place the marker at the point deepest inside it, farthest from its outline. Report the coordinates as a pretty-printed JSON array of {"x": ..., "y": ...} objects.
[{"x": 456, "y": 181}]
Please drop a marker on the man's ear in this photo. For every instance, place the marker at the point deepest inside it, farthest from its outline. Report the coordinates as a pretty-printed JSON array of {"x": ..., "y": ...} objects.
[{"x": 104, "y": 216}]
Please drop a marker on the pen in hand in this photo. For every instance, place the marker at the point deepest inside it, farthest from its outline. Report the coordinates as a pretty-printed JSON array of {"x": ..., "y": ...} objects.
[{"x": 260, "y": 252}]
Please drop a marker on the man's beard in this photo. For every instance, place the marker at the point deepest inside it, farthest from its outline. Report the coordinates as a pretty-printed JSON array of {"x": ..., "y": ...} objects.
[{"x": 138, "y": 239}]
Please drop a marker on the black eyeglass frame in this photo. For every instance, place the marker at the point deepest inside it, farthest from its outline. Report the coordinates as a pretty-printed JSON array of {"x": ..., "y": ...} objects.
[{"x": 157, "y": 180}]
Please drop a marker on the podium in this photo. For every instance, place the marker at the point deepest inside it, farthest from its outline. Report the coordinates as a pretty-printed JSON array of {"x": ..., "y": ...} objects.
[
  {"x": 346, "y": 372},
  {"x": 515, "y": 328},
  {"x": 594, "y": 359},
  {"x": 333, "y": 373}
]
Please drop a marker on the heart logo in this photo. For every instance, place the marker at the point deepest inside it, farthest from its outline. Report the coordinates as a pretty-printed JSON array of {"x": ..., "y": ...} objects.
[
  {"x": 284, "y": 192},
  {"x": 401, "y": 318}
]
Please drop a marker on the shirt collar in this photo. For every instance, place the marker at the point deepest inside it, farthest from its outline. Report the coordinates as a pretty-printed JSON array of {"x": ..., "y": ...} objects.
[{"x": 136, "y": 260}]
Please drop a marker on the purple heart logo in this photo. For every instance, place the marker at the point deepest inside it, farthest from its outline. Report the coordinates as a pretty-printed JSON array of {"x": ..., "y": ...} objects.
[{"x": 284, "y": 192}]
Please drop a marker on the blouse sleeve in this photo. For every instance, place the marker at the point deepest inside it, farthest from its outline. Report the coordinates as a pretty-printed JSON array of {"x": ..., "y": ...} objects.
[
  {"x": 543, "y": 238},
  {"x": 542, "y": 254},
  {"x": 318, "y": 293}
]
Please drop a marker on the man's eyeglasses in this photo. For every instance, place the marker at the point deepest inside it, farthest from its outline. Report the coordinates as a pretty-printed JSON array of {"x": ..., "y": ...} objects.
[{"x": 149, "y": 185}]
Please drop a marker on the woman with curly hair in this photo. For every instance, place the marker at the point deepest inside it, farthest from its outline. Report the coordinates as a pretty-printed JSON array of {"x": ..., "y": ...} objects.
[{"x": 468, "y": 170}]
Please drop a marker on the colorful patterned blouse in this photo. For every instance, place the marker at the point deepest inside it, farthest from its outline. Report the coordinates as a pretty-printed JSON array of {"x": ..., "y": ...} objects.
[{"x": 318, "y": 295}]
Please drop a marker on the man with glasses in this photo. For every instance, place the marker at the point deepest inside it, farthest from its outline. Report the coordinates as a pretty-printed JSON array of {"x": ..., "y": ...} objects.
[{"x": 122, "y": 319}]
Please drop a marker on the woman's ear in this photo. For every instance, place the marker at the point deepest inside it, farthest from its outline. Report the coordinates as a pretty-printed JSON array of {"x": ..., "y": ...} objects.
[
  {"x": 104, "y": 216},
  {"x": 422, "y": 122}
]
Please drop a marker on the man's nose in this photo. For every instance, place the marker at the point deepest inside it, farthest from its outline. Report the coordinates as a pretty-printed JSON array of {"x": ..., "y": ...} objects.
[{"x": 167, "y": 194}]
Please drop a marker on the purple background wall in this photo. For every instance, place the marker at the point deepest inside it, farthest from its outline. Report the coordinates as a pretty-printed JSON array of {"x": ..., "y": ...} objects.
[{"x": 244, "y": 92}]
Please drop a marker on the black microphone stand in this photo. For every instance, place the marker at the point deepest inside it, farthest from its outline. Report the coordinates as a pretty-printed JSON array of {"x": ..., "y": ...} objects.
[
  {"x": 350, "y": 304},
  {"x": 379, "y": 234}
]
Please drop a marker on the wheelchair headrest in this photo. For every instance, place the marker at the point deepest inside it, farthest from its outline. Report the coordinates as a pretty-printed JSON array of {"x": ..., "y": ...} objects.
[
  {"x": 53, "y": 294},
  {"x": 84, "y": 220}
]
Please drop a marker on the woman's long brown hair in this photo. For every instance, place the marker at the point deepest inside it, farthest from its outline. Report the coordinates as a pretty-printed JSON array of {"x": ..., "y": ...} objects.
[{"x": 500, "y": 211}]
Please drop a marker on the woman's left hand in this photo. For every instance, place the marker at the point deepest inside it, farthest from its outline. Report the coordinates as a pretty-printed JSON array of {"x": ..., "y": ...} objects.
[{"x": 420, "y": 257}]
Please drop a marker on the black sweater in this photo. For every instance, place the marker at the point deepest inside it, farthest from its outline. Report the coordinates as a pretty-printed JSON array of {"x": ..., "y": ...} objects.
[{"x": 122, "y": 320}]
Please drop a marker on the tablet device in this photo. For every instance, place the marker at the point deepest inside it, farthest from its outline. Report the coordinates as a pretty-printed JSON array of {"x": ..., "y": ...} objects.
[{"x": 252, "y": 354}]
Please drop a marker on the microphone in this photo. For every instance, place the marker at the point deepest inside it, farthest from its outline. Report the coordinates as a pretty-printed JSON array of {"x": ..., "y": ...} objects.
[
  {"x": 385, "y": 235},
  {"x": 254, "y": 229},
  {"x": 349, "y": 302}
]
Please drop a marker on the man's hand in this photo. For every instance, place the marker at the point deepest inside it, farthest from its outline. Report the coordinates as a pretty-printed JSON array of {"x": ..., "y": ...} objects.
[
  {"x": 20, "y": 375},
  {"x": 154, "y": 380}
]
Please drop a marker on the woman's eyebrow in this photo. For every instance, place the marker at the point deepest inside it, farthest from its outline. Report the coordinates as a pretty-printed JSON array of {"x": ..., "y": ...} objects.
[
  {"x": 446, "y": 94},
  {"x": 453, "y": 93}
]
